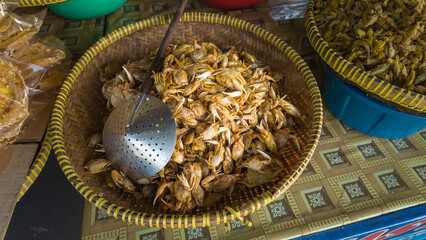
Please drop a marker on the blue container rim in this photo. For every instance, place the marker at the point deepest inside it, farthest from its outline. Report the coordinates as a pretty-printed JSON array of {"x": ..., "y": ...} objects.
[{"x": 358, "y": 94}]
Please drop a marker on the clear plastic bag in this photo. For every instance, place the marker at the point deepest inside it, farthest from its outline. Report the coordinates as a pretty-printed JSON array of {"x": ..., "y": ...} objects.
[
  {"x": 7, "y": 6},
  {"x": 43, "y": 52},
  {"x": 13, "y": 101},
  {"x": 53, "y": 77},
  {"x": 42, "y": 61},
  {"x": 291, "y": 9},
  {"x": 18, "y": 29},
  {"x": 27, "y": 67},
  {"x": 31, "y": 73},
  {"x": 50, "y": 53},
  {"x": 19, "y": 83}
]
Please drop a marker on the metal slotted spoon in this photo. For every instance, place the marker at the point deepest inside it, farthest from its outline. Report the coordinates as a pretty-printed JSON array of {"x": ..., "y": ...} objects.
[{"x": 139, "y": 136}]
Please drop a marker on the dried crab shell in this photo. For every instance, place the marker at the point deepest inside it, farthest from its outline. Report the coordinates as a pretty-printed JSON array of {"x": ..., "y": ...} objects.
[{"x": 227, "y": 108}]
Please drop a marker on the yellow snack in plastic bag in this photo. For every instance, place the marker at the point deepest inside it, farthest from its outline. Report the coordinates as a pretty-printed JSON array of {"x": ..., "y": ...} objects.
[
  {"x": 38, "y": 54},
  {"x": 13, "y": 100},
  {"x": 16, "y": 30}
]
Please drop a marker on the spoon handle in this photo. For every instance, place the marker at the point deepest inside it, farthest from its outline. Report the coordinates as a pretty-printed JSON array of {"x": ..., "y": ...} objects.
[{"x": 156, "y": 64}]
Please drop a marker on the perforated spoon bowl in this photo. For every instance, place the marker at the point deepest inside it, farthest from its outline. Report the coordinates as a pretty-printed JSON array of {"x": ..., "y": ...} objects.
[{"x": 139, "y": 136}]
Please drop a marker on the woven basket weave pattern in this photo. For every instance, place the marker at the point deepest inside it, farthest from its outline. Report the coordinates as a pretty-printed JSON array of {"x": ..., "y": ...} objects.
[
  {"x": 32, "y": 3},
  {"x": 38, "y": 164},
  {"x": 84, "y": 110}
]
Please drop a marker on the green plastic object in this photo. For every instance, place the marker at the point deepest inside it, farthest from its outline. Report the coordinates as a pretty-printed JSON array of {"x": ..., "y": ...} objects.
[{"x": 86, "y": 9}]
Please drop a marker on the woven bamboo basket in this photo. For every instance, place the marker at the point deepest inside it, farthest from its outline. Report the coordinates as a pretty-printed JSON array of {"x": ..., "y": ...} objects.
[
  {"x": 37, "y": 165},
  {"x": 33, "y": 3},
  {"x": 46, "y": 146},
  {"x": 80, "y": 108},
  {"x": 397, "y": 97}
]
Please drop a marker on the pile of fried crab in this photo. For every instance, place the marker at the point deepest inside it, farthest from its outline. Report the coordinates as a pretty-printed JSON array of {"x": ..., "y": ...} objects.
[{"x": 233, "y": 125}]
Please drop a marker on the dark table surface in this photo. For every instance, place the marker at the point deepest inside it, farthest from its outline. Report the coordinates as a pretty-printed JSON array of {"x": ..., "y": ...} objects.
[{"x": 50, "y": 210}]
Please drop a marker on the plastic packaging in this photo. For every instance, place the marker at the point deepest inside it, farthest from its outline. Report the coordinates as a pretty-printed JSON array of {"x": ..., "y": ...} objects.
[
  {"x": 43, "y": 52},
  {"x": 13, "y": 101},
  {"x": 53, "y": 77},
  {"x": 42, "y": 62},
  {"x": 16, "y": 29},
  {"x": 7, "y": 6},
  {"x": 292, "y": 9},
  {"x": 25, "y": 65},
  {"x": 32, "y": 74}
]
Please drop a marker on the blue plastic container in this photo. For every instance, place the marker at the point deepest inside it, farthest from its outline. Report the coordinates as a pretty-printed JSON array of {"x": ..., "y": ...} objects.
[{"x": 365, "y": 114}]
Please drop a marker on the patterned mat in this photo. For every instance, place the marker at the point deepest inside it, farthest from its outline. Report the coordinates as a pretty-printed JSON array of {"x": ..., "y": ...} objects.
[
  {"x": 276, "y": 16},
  {"x": 351, "y": 176}
]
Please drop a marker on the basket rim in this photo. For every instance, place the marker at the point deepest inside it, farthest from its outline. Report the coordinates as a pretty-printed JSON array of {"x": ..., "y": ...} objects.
[
  {"x": 38, "y": 163},
  {"x": 34, "y": 3},
  {"x": 184, "y": 221},
  {"x": 405, "y": 98}
]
